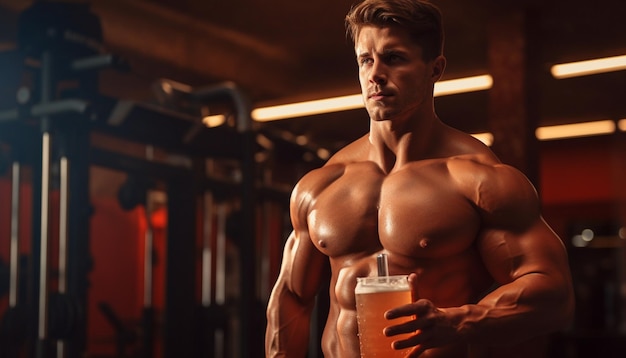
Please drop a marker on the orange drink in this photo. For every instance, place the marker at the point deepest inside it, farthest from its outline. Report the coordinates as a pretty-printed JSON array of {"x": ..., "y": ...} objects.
[{"x": 375, "y": 296}]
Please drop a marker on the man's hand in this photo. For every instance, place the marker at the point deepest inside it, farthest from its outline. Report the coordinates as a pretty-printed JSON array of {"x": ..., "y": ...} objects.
[{"x": 430, "y": 328}]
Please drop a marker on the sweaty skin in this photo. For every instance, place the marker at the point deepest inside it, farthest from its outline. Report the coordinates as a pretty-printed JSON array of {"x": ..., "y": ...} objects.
[{"x": 489, "y": 277}]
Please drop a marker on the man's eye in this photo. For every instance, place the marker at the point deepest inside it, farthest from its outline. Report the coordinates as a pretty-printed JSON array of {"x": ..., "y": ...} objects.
[{"x": 365, "y": 61}]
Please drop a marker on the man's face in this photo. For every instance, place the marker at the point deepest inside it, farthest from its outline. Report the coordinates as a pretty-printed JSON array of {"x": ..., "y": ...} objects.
[{"x": 395, "y": 80}]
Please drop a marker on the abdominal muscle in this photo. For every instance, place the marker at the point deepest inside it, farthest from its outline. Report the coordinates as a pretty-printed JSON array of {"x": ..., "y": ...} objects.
[{"x": 340, "y": 338}]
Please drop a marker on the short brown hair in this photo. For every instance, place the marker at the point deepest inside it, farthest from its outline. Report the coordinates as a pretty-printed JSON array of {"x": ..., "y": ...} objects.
[{"x": 420, "y": 18}]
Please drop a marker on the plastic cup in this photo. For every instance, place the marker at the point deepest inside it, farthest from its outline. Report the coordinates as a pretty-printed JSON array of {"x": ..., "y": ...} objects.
[{"x": 375, "y": 296}]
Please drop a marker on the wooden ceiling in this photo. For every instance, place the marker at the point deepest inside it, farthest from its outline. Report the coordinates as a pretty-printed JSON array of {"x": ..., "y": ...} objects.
[{"x": 280, "y": 51}]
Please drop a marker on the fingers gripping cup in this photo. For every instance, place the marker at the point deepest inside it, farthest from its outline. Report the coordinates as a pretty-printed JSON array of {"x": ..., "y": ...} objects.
[{"x": 374, "y": 296}]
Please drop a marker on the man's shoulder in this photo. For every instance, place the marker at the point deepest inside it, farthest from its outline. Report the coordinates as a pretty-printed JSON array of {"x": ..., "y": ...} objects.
[
  {"x": 500, "y": 190},
  {"x": 461, "y": 145},
  {"x": 485, "y": 170},
  {"x": 317, "y": 179},
  {"x": 354, "y": 153}
]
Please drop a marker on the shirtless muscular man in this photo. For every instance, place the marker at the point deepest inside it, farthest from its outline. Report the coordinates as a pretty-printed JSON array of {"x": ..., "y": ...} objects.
[{"x": 489, "y": 277}]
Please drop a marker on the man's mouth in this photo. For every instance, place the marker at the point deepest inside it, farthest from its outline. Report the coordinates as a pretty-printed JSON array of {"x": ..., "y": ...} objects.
[{"x": 377, "y": 96}]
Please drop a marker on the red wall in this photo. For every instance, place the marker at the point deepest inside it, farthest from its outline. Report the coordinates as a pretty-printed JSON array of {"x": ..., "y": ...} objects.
[{"x": 583, "y": 180}]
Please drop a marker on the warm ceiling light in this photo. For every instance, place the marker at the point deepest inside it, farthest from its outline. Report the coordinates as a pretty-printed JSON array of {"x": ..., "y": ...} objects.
[
  {"x": 575, "y": 130},
  {"x": 590, "y": 67},
  {"x": 462, "y": 85},
  {"x": 308, "y": 108},
  {"x": 621, "y": 124},
  {"x": 343, "y": 103},
  {"x": 486, "y": 138},
  {"x": 214, "y": 121}
]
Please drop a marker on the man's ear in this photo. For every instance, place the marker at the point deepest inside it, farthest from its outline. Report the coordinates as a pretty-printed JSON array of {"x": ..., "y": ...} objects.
[{"x": 439, "y": 65}]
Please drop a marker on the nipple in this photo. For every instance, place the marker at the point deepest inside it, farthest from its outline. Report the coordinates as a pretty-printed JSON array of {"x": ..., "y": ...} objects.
[
  {"x": 322, "y": 244},
  {"x": 423, "y": 243}
]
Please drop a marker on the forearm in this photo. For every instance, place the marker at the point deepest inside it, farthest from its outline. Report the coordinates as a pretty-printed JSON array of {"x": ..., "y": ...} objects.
[
  {"x": 533, "y": 305},
  {"x": 288, "y": 322}
]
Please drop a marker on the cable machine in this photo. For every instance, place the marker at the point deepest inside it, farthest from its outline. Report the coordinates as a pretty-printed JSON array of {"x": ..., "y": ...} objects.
[{"x": 47, "y": 146}]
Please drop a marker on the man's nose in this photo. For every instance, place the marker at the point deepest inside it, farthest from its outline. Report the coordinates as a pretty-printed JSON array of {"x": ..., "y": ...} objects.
[{"x": 378, "y": 73}]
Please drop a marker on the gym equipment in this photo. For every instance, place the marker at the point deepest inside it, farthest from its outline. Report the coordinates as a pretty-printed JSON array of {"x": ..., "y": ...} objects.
[
  {"x": 62, "y": 41},
  {"x": 58, "y": 111}
]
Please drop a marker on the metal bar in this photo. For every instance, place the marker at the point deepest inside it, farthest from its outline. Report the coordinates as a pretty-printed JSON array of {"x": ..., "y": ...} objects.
[
  {"x": 42, "y": 322},
  {"x": 63, "y": 217},
  {"x": 149, "y": 242},
  {"x": 135, "y": 165},
  {"x": 220, "y": 259},
  {"x": 48, "y": 108},
  {"x": 95, "y": 62},
  {"x": 148, "y": 292},
  {"x": 63, "y": 237},
  {"x": 46, "y": 95},
  {"x": 147, "y": 268},
  {"x": 220, "y": 276},
  {"x": 248, "y": 308},
  {"x": 15, "y": 243},
  {"x": 207, "y": 259},
  {"x": 181, "y": 303},
  {"x": 60, "y": 106}
]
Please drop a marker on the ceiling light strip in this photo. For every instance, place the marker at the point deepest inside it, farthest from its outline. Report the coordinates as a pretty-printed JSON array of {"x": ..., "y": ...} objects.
[
  {"x": 584, "y": 129},
  {"x": 575, "y": 130},
  {"x": 308, "y": 108},
  {"x": 589, "y": 67},
  {"x": 462, "y": 85},
  {"x": 343, "y": 103}
]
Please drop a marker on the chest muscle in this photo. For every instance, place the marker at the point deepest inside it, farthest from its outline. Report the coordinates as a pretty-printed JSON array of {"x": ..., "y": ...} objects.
[{"x": 416, "y": 211}]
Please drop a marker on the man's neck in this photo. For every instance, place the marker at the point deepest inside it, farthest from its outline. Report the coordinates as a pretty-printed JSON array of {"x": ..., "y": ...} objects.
[{"x": 394, "y": 144}]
